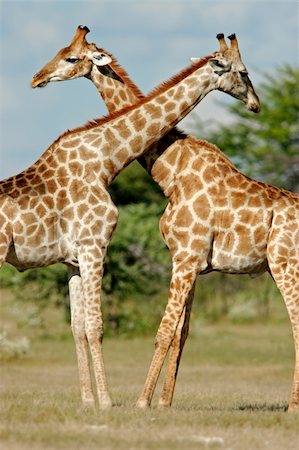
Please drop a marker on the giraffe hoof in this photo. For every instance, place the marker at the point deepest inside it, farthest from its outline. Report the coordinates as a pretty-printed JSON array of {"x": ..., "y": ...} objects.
[
  {"x": 293, "y": 408},
  {"x": 87, "y": 406},
  {"x": 163, "y": 405},
  {"x": 142, "y": 404},
  {"x": 105, "y": 404}
]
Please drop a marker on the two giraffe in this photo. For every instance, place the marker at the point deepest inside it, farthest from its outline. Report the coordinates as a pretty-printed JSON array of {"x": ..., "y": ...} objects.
[
  {"x": 217, "y": 219},
  {"x": 59, "y": 209}
]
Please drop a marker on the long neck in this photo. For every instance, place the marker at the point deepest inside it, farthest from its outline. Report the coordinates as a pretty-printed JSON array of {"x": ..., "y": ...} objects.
[
  {"x": 129, "y": 134},
  {"x": 115, "y": 87},
  {"x": 119, "y": 91}
]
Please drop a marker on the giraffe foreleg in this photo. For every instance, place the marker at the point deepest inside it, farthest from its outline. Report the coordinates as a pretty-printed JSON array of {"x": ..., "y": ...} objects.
[
  {"x": 78, "y": 329},
  {"x": 176, "y": 351},
  {"x": 91, "y": 262},
  {"x": 183, "y": 277}
]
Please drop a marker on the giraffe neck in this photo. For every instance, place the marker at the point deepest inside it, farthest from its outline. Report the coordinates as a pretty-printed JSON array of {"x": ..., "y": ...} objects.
[
  {"x": 119, "y": 91},
  {"x": 115, "y": 92},
  {"x": 108, "y": 145}
]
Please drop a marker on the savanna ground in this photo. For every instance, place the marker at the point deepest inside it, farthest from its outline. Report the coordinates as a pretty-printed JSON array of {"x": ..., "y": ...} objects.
[{"x": 232, "y": 391}]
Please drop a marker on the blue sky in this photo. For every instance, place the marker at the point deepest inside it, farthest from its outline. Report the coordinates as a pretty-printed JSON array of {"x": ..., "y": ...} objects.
[{"x": 152, "y": 39}]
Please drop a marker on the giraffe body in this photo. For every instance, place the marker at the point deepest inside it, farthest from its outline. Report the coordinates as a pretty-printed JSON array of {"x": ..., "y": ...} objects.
[
  {"x": 216, "y": 219},
  {"x": 59, "y": 209}
]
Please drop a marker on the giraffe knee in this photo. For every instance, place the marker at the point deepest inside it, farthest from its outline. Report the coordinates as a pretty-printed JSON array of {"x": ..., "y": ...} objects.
[
  {"x": 94, "y": 335},
  {"x": 162, "y": 342}
]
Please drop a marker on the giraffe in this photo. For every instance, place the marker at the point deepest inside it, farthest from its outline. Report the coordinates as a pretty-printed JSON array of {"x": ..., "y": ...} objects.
[
  {"x": 59, "y": 209},
  {"x": 211, "y": 172}
]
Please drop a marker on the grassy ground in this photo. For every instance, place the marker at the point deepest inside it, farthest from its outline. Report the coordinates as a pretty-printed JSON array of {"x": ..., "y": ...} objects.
[{"x": 232, "y": 392}]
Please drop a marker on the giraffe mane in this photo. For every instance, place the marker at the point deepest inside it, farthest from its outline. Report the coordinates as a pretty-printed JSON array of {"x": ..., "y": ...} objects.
[{"x": 154, "y": 93}]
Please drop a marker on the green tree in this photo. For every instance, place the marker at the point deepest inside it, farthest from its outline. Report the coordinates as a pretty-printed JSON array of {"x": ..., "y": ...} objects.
[
  {"x": 134, "y": 185},
  {"x": 265, "y": 146}
]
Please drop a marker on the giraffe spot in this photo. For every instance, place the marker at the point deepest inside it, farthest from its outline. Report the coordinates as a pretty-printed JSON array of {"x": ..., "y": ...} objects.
[
  {"x": 51, "y": 186},
  {"x": 69, "y": 213},
  {"x": 86, "y": 154},
  {"x": 237, "y": 199},
  {"x": 139, "y": 123},
  {"x": 198, "y": 245},
  {"x": 71, "y": 144},
  {"x": 18, "y": 226},
  {"x": 112, "y": 216},
  {"x": 171, "y": 157},
  {"x": 254, "y": 202},
  {"x": 200, "y": 230},
  {"x": 40, "y": 210},
  {"x": 97, "y": 143},
  {"x": 226, "y": 219},
  {"x": 260, "y": 234},
  {"x": 97, "y": 227},
  {"x": 179, "y": 93},
  {"x": 61, "y": 199},
  {"x": 210, "y": 174},
  {"x": 232, "y": 181},
  {"x": 160, "y": 171},
  {"x": 153, "y": 110},
  {"x": 33, "y": 202},
  {"x": 182, "y": 237},
  {"x": 116, "y": 100},
  {"x": 153, "y": 129},
  {"x": 61, "y": 172},
  {"x": 61, "y": 156},
  {"x": 48, "y": 201},
  {"x": 201, "y": 207},
  {"x": 169, "y": 106},
  {"x": 123, "y": 95},
  {"x": 24, "y": 202},
  {"x": 228, "y": 241},
  {"x": 82, "y": 210},
  {"x": 136, "y": 144},
  {"x": 109, "y": 92},
  {"x": 161, "y": 99},
  {"x": 76, "y": 168},
  {"x": 197, "y": 164},
  {"x": 247, "y": 216},
  {"x": 183, "y": 217},
  {"x": 244, "y": 246},
  {"x": 171, "y": 118},
  {"x": 122, "y": 155},
  {"x": 190, "y": 184},
  {"x": 253, "y": 188},
  {"x": 77, "y": 191},
  {"x": 123, "y": 129}
]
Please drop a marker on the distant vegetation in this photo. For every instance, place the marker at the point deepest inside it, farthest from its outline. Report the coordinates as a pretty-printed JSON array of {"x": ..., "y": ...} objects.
[{"x": 263, "y": 146}]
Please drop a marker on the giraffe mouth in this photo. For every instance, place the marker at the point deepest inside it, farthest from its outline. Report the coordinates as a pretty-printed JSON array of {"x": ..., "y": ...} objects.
[{"x": 42, "y": 84}]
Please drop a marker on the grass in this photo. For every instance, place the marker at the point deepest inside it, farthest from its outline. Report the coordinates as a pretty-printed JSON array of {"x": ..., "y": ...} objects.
[{"x": 232, "y": 392}]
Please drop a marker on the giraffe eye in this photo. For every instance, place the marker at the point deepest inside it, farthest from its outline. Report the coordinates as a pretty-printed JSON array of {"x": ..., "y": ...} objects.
[{"x": 72, "y": 60}]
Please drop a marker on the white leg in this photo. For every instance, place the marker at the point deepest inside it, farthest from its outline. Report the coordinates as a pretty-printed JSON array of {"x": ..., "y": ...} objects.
[{"x": 78, "y": 329}]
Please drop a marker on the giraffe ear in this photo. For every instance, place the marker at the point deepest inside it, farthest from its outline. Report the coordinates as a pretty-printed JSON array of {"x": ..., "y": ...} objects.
[{"x": 100, "y": 59}]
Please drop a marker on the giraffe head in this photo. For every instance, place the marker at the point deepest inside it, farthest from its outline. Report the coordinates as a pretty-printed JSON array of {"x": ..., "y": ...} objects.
[
  {"x": 73, "y": 61},
  {"x": 232, "y": 74}
]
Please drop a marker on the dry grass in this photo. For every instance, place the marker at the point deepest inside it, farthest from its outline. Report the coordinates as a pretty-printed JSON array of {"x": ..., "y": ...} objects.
[{"x": 231, "y": 393}]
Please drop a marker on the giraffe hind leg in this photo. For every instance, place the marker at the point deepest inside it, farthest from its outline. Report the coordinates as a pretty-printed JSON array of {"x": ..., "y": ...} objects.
[
  {"x": 285, "y": 271},
  {"x": 175, "y": 355}
]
